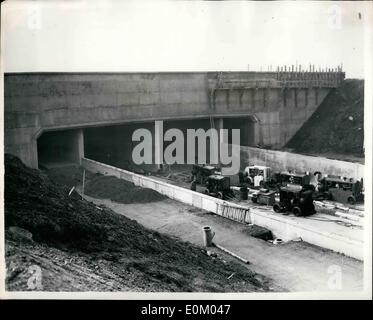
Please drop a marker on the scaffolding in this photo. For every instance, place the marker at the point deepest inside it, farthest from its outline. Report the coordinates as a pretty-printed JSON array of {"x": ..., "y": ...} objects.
[{"x": 280, "y": 79}]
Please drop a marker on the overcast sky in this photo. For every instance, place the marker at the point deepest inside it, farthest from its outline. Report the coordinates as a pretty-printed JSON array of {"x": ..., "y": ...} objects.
[{"x": 182, "y": 36}]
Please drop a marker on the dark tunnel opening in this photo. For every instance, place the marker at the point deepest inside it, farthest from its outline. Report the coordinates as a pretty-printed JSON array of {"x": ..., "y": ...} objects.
[
  {"x": 57, "y": 148},
  {"x": 113, "y": 144}
]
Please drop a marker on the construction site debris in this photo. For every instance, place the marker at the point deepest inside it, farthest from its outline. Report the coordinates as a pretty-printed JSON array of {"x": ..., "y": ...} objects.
[
  {"x": 277, "y": 241},
  {"x": 232, "y": 254},
  {"x": 211, "y": 253},
  {"x": 208, "y": 235},
  {"x": 298, "y": 239},
  {"x": 231, "y": 276},
  {"x": 258, "y": 232}
]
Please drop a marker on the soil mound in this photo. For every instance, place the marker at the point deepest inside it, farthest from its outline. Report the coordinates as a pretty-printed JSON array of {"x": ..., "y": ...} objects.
[
  {"x": 118, "y": 190},
  {"x": 337, "y": 126},
  {"x": 69, "y": 176},
  {"x": 259, "y": 232}
]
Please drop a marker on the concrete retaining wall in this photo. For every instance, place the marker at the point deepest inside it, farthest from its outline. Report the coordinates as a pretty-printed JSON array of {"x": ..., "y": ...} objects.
[
  {"x": 287, "y": 228},
  {"x": 279, "y": 161}
]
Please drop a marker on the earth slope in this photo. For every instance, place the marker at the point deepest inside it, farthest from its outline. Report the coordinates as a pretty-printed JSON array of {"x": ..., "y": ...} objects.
[
  {"x": 82, "y": 247},
  {"x": 337, "y": 126}
]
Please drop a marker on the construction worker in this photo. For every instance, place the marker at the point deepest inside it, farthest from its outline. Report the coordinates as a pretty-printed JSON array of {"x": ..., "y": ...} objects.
[
  {"x": 241, "y": 177},
  {"x": 193, "y": 185}
]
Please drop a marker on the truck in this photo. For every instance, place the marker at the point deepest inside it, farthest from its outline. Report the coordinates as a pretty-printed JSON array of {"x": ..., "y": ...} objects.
[
  {"x": 200, "y": 173},
  {"x": 295, "y": 199},
  {"x": 340, "y": 189},
  {"x": 264, "y": 196},
  {"x": 219, "y": 186},
  {"x": 257, "y": 176},
  {"x": 297, "y": 178}
]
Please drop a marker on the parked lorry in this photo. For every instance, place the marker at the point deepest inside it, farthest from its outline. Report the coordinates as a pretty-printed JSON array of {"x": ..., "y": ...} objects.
[
  {"x": 295, "y": 199},
  {"x": 297, "y": 178},
  {"x": 257, "y": 176},
  {"x": 219, "y": 186},
  {"x": 202, "y": 172},
  {"x": 342, "y": 190},
  {"x": 262, "y": 176},
  {"x": 264, "y": 196}
]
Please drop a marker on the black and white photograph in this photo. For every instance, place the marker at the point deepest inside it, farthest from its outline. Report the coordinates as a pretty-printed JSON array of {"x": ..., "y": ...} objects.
[{"x": 153, "y": 149}]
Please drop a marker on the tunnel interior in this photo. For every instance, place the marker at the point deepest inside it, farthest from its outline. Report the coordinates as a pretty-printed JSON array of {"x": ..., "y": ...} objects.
[
  {"x": 113, "y": 145},
  {"x": 247, "y": 130},
  {"x": 59, "y": 148}
]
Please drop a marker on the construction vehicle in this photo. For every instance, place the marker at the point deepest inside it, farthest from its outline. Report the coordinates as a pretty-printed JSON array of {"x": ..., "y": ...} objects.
[
  {"x": 257, "y": 176},
  {"x": 340, "y": 189},
  {"x": 288, "y": 177},
  {"x": 295, "y": 199},
  {"x": 202, "y": 172},
  {"x": 219, "y": 186},
  {"x": 264, "y": 196}
]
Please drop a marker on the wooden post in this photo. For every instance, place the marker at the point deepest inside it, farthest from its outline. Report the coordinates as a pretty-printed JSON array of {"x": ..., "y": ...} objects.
[{"x": 83, "y": 183}]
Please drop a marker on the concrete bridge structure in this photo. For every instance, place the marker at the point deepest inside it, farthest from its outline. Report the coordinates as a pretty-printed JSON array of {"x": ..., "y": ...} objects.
[{"x": 49, "y": 114}]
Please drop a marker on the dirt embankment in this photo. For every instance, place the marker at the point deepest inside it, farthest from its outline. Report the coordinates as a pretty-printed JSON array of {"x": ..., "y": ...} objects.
[
  {"x": 118, "y": 190},
  {"x": 103, "y": 187},
  {"x": 81, "y": 247},
  {"x": 337, "y": 126}
]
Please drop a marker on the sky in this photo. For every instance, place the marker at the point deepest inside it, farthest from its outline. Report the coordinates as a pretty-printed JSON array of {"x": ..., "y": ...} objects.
[{"x": 183, "y": 35}]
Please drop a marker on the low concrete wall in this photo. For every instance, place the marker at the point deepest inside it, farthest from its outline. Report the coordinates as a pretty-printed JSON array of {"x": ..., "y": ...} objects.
[
  {"x": 286, "y": 228},
  {"x": 279, "y": 160},
  {"x": 289, "y": 228},
  {"x": 190, "y": 197}
]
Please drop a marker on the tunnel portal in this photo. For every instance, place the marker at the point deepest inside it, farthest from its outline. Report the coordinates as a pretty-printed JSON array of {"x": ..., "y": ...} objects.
[
  {"x": 113, "y": 144},
  {"x": 56, "y": 148}
]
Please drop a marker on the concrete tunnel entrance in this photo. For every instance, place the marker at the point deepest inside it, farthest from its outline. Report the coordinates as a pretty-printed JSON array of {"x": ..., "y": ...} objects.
[
  {"x": 113, "y": 144},
  {"x": 57, "y": 148}
]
